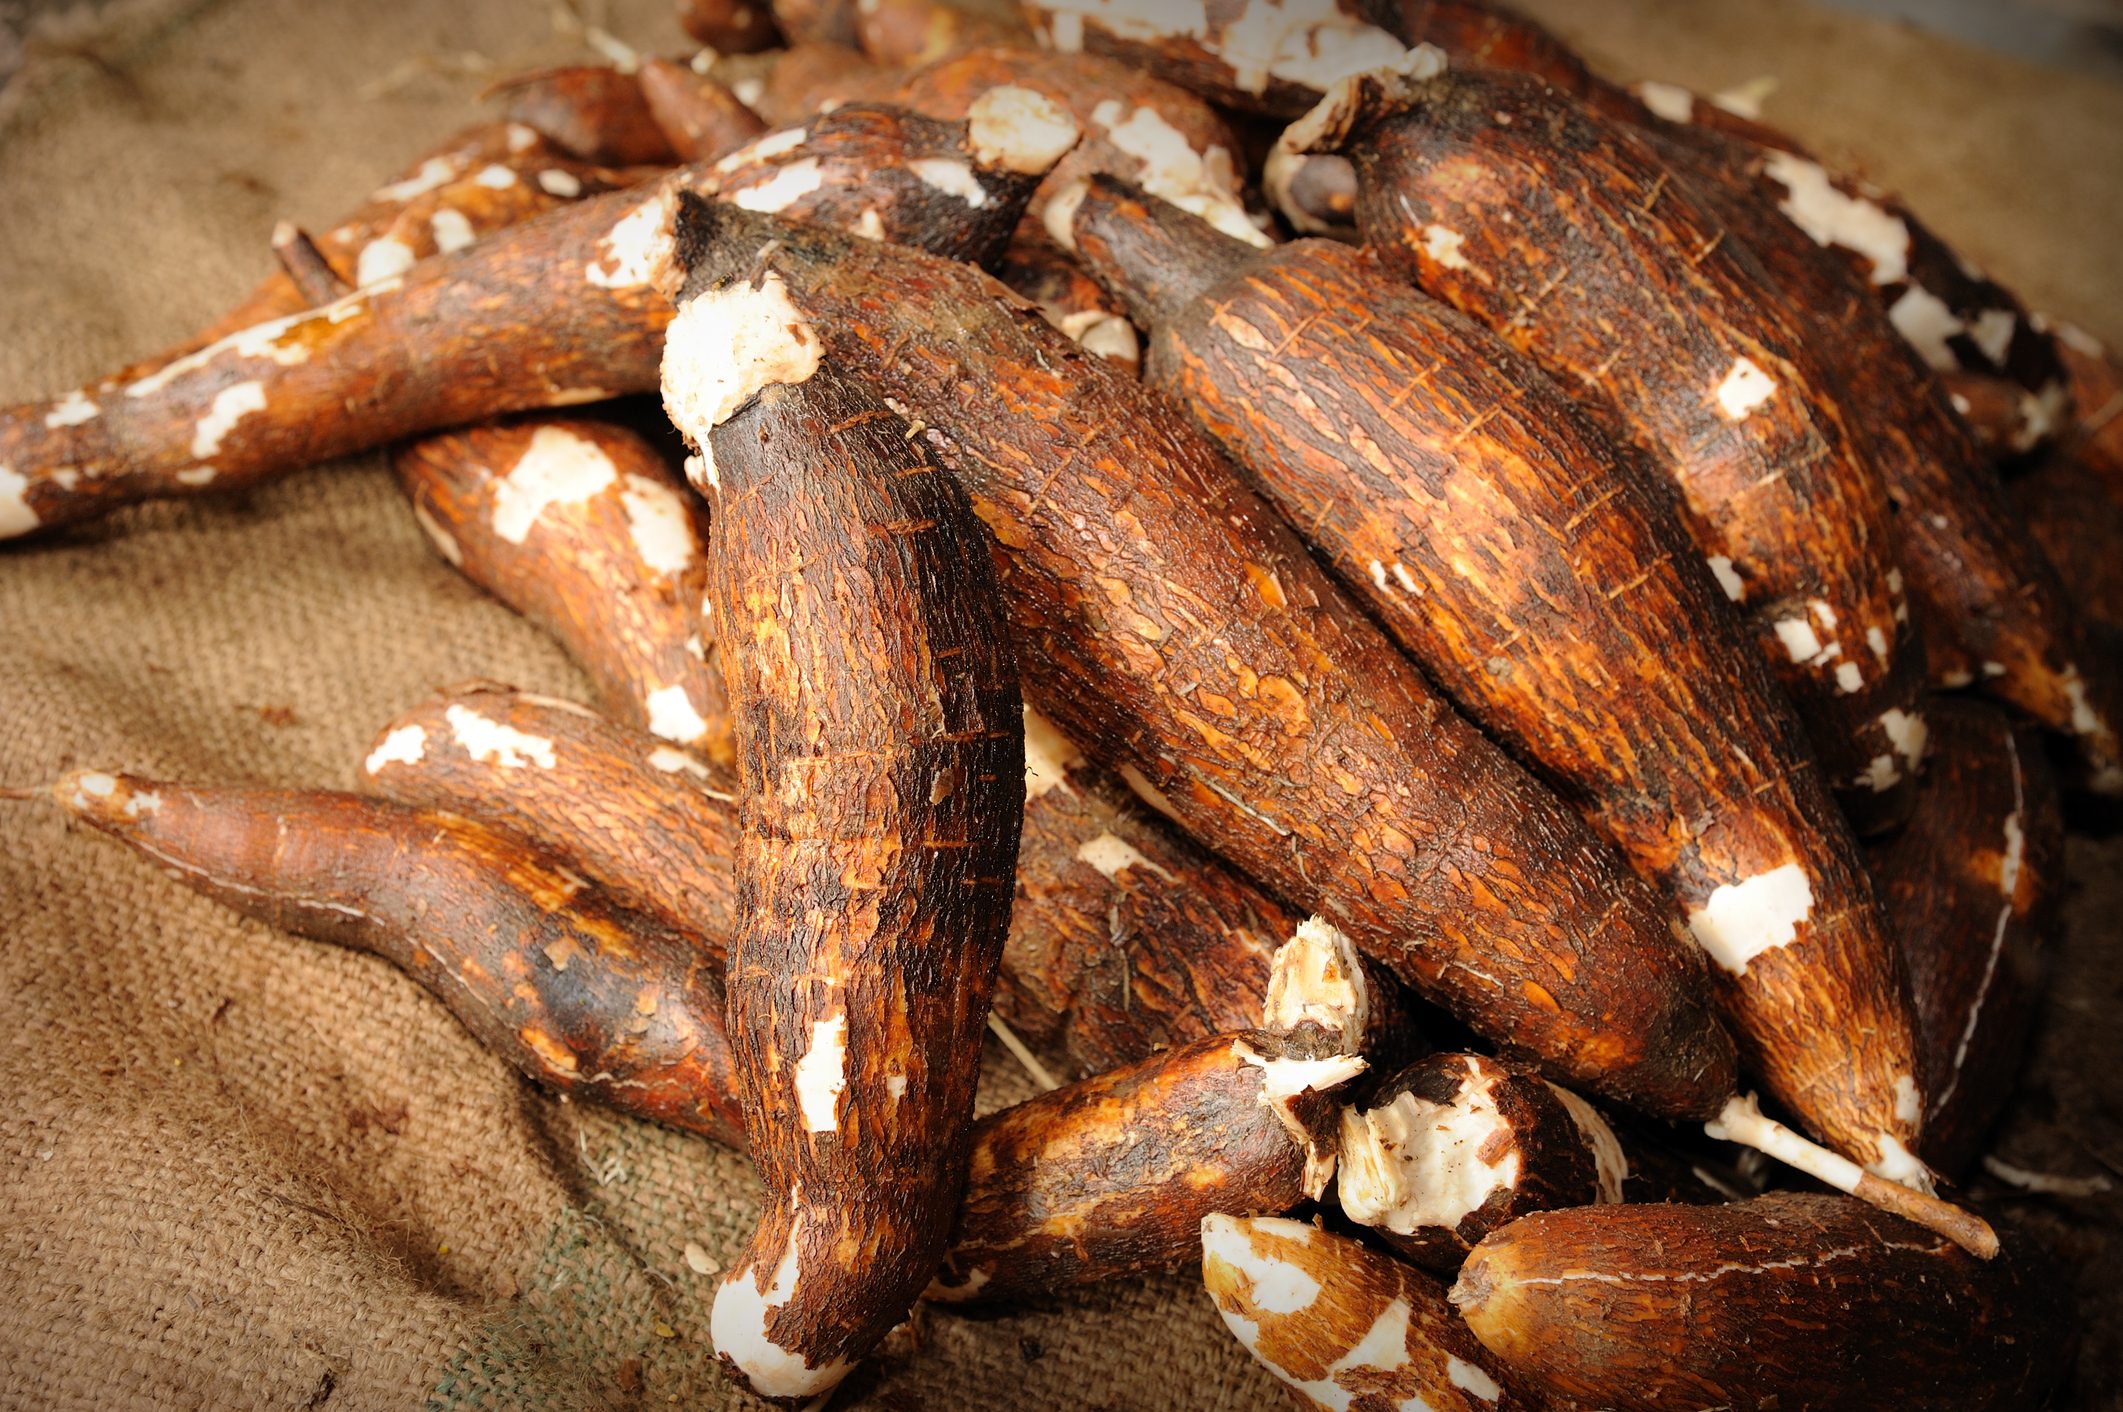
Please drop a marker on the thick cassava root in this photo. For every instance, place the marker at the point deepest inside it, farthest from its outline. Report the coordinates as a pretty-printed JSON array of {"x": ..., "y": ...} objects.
[
  {"x": 546, "y": 971},
  {"x": 1552, "y": 596},
  {"x": 881, "y": 769},
  {"x": 567, "y": 293},
  {"x": 1306, "y": 749}
]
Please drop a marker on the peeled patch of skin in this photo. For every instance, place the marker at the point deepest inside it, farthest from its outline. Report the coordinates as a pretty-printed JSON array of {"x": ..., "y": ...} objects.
[
  {"x": 1528, "y": 575},
  {"x": 572, "y": 295},
  {"x": 1269, "y": 56},
  {"x": 1788, "y": 1300},
  {"x": 1111, "y": 1176},
  {"x": 881, "y": 772},
  {"x": 1134, "y": 127},
  {"x": 1976, "y": 578},
  {"x": 1349, "y": 1329},
  {"x": 1457, "y": 1145},
  {"x": 1973, "y": 883},
  {"x": 547, "y": 972},
  {"x": 1731, "y": 401},
  {"x": 1110, "y": 569},
  {"x": 582, "y": 527}
]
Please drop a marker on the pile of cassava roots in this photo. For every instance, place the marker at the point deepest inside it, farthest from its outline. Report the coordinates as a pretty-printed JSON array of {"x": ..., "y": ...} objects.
[{"x": 1490, "y": 659}]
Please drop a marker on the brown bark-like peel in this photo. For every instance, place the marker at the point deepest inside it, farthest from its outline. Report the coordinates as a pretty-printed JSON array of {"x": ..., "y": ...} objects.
[
  {"x": 1553, "y": 597},
  {"x": 590, "y": 111},
  {"x": 1349, "y": 1329},
  {"x": 1782, "y": 1302},
  {"x": 881, "y": 760},
  {"x": 700, "y": 117},
  {"x": 1170, "y": 622},
  {"x": 1574, "y": 242},
  {"x": 580, "y": 526},
  {"x": 1111, "y": 1176},
  {"x": 1974, "y": 882},
  {"x": 568, "y": 295},
  {"x": 547, "y": 972}
]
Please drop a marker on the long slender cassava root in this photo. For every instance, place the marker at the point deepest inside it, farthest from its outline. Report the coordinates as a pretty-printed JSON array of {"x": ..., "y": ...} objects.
[
  {"x": 1554, "y": 598},
  {"x": 1789, "y": 1300},
  {"x": 568, "y": 295},
  {"x": 881, "y": 766},
  {"x": 1343, "y": 1325},
  {"x": 546, "y": 971},
  {"x": 582, "y": 527},
  {"x": 1714, "y": 383},
  {"x": 1172, "y": 624}
]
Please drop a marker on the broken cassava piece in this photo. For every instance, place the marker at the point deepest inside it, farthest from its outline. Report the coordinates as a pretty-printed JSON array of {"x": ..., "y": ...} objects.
[{"x": 880, "y": 751}]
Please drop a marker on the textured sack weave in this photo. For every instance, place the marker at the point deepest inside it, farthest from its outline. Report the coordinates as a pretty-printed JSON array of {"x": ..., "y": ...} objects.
[{"x": 241, "y": 1169}]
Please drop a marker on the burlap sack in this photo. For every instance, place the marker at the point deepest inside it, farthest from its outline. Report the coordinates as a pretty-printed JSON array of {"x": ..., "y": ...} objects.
[{"x": 240, "y": 1169}]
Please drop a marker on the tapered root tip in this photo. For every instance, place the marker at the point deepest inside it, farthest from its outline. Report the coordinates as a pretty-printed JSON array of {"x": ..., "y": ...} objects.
[
  {"x": 1964, "y": 1228},
  {"x": 104, "y": 798}
]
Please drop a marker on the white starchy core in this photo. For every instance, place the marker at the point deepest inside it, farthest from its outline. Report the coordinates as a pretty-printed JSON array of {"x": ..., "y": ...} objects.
[
  {"x": 2041, "y": 415},
  {"x": 555, "y": 182},
  {"x": 779, "y": 189},
  {"x": 1149, "y": 793},
  {"x": 197, "y": 475},
  {"x": 453, "y": 230},
  {"x": 558, "y": 467},
  {"x": 1992, "y": 332},
  {"x": 724, "y": 345},
  {"x": 1908, "y": 1103},
  {"x": 1742, "y": 920},
  {"x": 1798, "y": 638},
  {"x": 522, "y": 137},
  {"x": 1926, "y": 324},
  {"x": 822, "y": 1074},
  {"x": 1049, "y": 756},
  {"x": 658, "y": 524},
  {"x": 404, "y": 746},
  {"x": 1814, "y": 205},
  {"x": 1277, "y": 1286},
  {"x": 765, "y": 149},
  {"x": 1877, "y": 641},
  {"x": 952, "y": 177},
  {"x": 1107, "y": 335},
  {"x": 1413, "y": 1164},
  {"x": 1908, "y": 734},
  {"x": 1059, "y": 214},
  {"x": 382, "y": 258},
  {"x": 1850, "y": 679},
  {"x": 1423, "y": 62},
  {"x": 1610, "y": 1163},
  {"x": 1317, "y": 975},
  {"x": 1881, "y": 774},
  {"x": 1278, "y": 173},
  {"x": 1201, "y": 183},
  {"x": 72, "y": 410},
  {"x": 671, "y": 714},
  {"x": 1443, "y": 246},
  {"x": 491, "y": 742},
  {"x": 434, "y": 172},
  {"x": 1019, "y": 130},
  {"x": 1114, "y": 855},
  {"x": 257, "y": 341},
  {"x": 230, "y": 406},
  {"x": 738, "y": 1326},
  {"x": 1468, "y": 1378},
  {"x": 496, "y": 177},
  {"x": 16, "y": 516},
  {"x": 673, "y": 761},
  {"x": 637, "y": 247},
  {"x": 1667, "y": 100},
  {"x": 1745, "y": 388},
  {"x": 1287, "y": 1078},
  {"x": 1728, "y": 578},
  {"x": 1898, "y": 1164}
]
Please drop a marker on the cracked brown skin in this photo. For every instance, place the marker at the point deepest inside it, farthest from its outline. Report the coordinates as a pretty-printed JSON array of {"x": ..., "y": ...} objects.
[
  {"x": 1484, "y": 35},
  {"x": 908, "y": 32},
  {"x": 881, "y": 767},
  {"x": 1556, "y": 1162},
  {"x": 1172, "y": 624},
  {"x": 1975, "y": 575},
  {"x": 728, "y": 26},
  {"x": 553, "y": 976},
  {"x": 590, "y": 111},
  {"x": 1550, "y": 594},
  {"x": 509, "y": 324},
  {"x": 1166, "y": 950},
  {"x": 1975, "y": 951},
  {"x": 699, "y": 116},
  {"x": 634, "y": 627},
  {"x": 1193, "y": 62},
  {"x": 1041, "y": 272},
  {"x": 1581, "y": 249},
  {"x": 1357, "y": 1288},
  {"x": 1080, "y": 83},
  {"x": 1789, "y": 1301},
  {"x": 1111, "y": 1176}
]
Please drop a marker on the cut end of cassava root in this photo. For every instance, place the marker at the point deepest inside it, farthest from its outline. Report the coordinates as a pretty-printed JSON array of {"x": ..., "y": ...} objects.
[
  {"x": 1743, "y": 1122},
  {"x": 1317, "y": 977},
  {"x": 1019, "y": 130},
  {"x": 1330, "y": 122}
]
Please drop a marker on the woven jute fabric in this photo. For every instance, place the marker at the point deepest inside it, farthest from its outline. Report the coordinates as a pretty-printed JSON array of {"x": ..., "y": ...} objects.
[{"x": 242, "y": 1169}]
